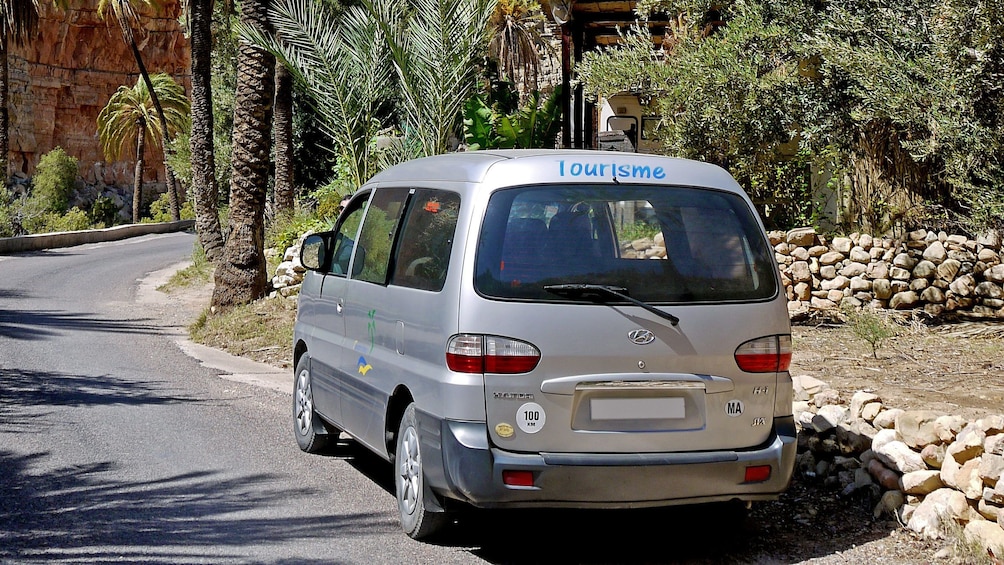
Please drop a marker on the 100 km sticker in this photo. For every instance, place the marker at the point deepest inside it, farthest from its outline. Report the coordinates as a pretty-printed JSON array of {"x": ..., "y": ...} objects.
[{"x": 530, "y": 417}]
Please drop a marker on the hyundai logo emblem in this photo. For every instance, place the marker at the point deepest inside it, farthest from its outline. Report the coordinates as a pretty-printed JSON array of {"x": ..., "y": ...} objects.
[{"x": 641, "y": 337}]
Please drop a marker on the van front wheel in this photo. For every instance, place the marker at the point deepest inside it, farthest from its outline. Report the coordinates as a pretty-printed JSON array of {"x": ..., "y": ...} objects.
[
  {"x": 417, "y": 519},
  {"x": 312, "y": 435}
]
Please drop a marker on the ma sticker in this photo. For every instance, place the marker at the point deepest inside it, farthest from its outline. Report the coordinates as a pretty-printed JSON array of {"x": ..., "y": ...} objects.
[
  {"x": 734, "y": 408},
  {"x": 504, "y": 430},
  {"x": 530, "y": 417}
]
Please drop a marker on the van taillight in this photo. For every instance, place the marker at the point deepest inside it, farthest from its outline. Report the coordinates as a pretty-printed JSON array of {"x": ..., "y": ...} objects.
[
  {"x": 765, "y": 355},
  {"x": 469, "y": 353}
]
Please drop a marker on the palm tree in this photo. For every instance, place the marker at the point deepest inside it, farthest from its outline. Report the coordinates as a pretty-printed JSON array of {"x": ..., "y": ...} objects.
[
  {"x": 205, "y": 189},
  {"x": 128, "y": 121},
  {"x": 515, "y": 42},
  {"x": 343, "y": 66},
  {"x": 240, "y": 275},
  {"x": 125, "y": 15},
  {"x": 283, "y": 128},
  {"x": 18, "y": 21},
  {"x": 436, "y": 49}
]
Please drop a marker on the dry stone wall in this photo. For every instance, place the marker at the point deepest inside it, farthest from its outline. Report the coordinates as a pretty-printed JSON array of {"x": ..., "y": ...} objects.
[
  {"x": 934, "y": 471},
  {"x": 930, "y": 271}
]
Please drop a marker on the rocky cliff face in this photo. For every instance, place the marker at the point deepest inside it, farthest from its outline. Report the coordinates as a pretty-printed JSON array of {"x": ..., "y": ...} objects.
[{"x": 65, "y": 76}]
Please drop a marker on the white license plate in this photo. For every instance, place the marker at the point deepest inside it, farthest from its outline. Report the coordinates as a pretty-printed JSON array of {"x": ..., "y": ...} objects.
[{"x": 637, "y": 408}]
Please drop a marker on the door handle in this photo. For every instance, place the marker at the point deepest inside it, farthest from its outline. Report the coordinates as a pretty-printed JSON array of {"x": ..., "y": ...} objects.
[{"x": 340, "y": 306}]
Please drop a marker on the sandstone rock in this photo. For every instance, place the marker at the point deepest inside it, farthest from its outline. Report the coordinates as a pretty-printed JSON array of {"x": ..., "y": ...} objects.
[
  {"x": 870, "y": 411},
  {"x": 852, "y": 269},
  {"x": 933, "y": 295},
  {"x": 887, "y": 418},
  {"x": 994, "y": 444},
  {"x": 859, "y": 399},
  {"x": 878, "y": 270},
  {"x": 801, "y": 237},
  {"x": 829, "y": 417},
  {"x": 839, "y": 282},
  {"x": 968, "y": 479},
  {"x": 921, "y": 482},
  {"x": 828, "y": 272},
  {"x": 860, "y": 284},
  {"x": 898, "y": 456},
  {"x": 948, "y": 427},
  {"x": 967, "y": 445},
  {"x": 949, "y": 269},
  {"x": 904, "y": 261},
  {"x": 988, "y": 535},
  {"x": 991, "y": 425},
  {"x": 942, "y": 504},
  {"x": 988, "y": 255},
  {"x": 818, "y": 250},
  {"x": 917, "y": 235},
  {"x": 918, "y": 285},
  {"x": 806, "y": 386},
  {"x": 800, "y": 253},
  {"x": 991, "y": 468},
  {"x": 800, "y": 272},
  {"x": 883, "y": 437},
  {"x": 949, "y": 469},
  {"x": 831, "y": 258},
  {"x": 866, "y": 241},
  {"x": 904, "y": 300},
  {"x": 964, "y": 286},
  {"x": 882, "y": 289},
  {"x": 935, "y": 253},
  {"x": 991, "y": 239},
  {"x": 995, "y": 274},
  {"x": 925, "y": 270},
  {"x": 842, "y": 244},
  {"x": 899, "y": 274},
  {"x": 989, "y": 511},
  {"x": 987, "y": 289},
  {"x": 859, "y": 255},
  {"x": 823, "y": 303},
  {"x": 802, "y": 291},
  {"x": 994, "y": 495},
  {"x": 917, "y": 428}
]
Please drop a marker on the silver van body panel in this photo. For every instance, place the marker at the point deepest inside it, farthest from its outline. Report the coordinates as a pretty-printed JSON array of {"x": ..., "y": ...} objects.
[{"x": 671, "y": 421}]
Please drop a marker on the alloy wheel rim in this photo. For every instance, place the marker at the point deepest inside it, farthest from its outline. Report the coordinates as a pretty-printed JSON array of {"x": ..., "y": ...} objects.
[
  {"x": 304, "y": 406},
  {"x": 409, "y": 476}
]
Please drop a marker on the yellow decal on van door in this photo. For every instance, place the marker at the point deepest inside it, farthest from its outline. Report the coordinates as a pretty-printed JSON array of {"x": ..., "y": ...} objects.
[{"x": 364, "y": 367}]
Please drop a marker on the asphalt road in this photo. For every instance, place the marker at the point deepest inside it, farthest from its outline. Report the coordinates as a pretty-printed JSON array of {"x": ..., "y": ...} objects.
[{"x": 117, "y": 446}]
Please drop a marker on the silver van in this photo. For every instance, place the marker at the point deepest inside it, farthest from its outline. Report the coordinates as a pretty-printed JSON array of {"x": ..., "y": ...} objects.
[{"x": 542, "y": 328}]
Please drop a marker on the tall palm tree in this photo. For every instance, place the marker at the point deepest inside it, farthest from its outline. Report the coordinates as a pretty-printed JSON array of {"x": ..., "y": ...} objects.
[
  {"x": 205, "y": 189},
  {"x": 18, "y": 22},
  {"x": 283, "y": 128},
  {"x": 125, "y": 15},
  {"x": 515, "y": 42},
  {"x": 436, "y": 46},
  {"x": 240, "y": 276},
  {"x": 129, "y": 120},
  {"x": 342, "y": 64}
]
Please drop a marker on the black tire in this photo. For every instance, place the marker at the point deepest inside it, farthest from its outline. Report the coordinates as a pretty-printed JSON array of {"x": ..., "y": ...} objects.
[
  {"x": 312, "y": 434},
  {"x": 417, "y": 519}
]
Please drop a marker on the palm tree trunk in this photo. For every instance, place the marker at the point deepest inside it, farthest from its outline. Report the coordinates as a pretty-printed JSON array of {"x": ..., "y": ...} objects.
[
  {"x": 283, "y": 139},
  {"x": 205, "y": 190},
  {"x": 137, "y": 183},
  {"x": 240, "y": 276},
  {"x": 4, "y": 114},
  {"x": 172, "y": 187}
]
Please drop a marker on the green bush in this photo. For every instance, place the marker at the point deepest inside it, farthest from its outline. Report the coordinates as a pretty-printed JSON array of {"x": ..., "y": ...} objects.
[
  {"x": 52, "y": 184},
  {"x": 48, "y": 222},
  {"x": 7, "y": 213},
  {"x": 285, "y": 229},
  {"x": 160, "y": 210},
  {"x": 104, "y": 212}
]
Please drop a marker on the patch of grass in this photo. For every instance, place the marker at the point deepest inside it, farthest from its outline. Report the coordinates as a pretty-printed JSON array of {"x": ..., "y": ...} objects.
[
  {"x": 200, "y": 272},
  {"x": 262, "y": 330}
]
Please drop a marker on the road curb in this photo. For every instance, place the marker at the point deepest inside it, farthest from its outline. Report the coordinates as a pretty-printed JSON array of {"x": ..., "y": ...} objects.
[
  {"x": 238, "y": 368},
  {"x": 42, "y": 241}
]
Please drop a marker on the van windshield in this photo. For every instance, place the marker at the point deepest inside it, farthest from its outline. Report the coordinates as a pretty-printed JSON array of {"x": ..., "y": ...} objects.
[{"x": 661, "y": 244}]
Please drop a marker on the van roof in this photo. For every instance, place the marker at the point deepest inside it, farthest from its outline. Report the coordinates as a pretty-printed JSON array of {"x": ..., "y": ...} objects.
[{"x": 509, "y": 167}]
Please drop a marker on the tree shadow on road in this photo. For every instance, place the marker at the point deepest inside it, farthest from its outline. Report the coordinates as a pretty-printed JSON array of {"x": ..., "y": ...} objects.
[
  {"x": 44, "y": 324},
  {"x": 83, "y": 513}
]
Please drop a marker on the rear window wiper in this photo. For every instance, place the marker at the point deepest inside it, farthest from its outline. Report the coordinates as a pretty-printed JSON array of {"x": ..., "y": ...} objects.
[{"x": 600, "y": 291}]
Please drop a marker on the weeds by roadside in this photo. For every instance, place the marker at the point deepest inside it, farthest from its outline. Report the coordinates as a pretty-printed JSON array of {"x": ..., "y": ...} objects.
[
  {"x": 199, "y": 272},
  {"x": 262, "y": 330}
]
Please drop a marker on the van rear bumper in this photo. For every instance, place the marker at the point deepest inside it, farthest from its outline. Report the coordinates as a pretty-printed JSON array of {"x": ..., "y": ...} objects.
[{"x": 472, "y": 470}]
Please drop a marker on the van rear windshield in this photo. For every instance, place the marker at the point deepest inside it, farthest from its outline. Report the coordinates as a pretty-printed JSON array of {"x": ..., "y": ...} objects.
[{"x": 661, "y": 244}]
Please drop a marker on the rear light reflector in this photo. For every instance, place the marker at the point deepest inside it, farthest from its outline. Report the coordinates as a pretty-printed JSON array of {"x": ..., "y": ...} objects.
[
  {"x": 757, "y": 474},
  {"x": 468, "y": 353},
  {"x": 518, "y": 478},
  {"x": 765, "y": 355}
]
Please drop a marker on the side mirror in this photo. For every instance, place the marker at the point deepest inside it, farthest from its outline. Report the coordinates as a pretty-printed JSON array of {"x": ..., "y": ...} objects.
[{"x": 313, "y": 252}]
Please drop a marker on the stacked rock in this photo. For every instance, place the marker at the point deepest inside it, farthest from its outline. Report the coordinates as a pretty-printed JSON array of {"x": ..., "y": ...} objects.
[
  {"x": 924, "y": 466},
  {"x": 932, "y": 271}
]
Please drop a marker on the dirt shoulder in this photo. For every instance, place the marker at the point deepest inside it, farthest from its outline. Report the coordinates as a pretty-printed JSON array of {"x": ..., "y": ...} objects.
[{"x": 954, "y": 368}]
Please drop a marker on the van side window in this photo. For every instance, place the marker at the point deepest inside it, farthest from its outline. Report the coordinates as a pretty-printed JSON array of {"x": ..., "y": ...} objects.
[
  {"x": 427, "y": 234},
  {"x": 345, "y": 241},
  {"x": 372, "y": 253}
]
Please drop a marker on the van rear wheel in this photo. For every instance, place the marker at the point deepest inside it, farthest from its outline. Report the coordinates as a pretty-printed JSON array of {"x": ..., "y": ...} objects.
[
  {"x": 418, "y": 519},
  {"x": 312, "y": 434}
]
